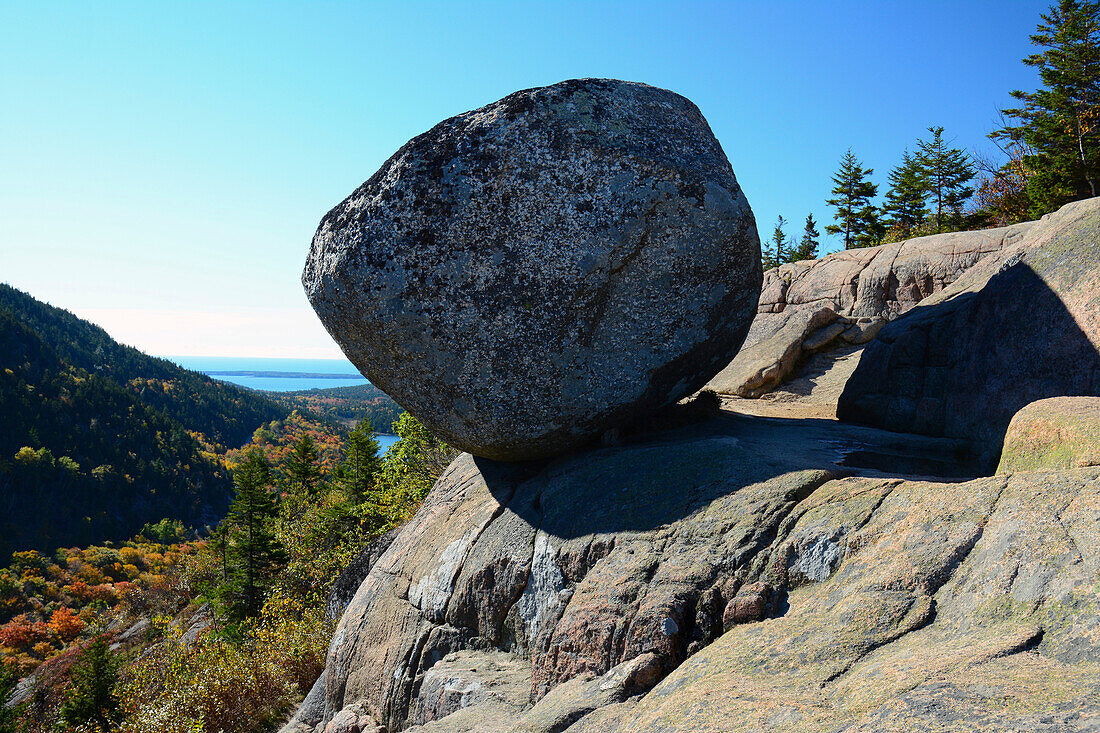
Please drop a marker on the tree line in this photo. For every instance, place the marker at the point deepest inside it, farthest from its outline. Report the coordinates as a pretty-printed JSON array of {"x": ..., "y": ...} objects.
[{"x": 1050, "y": 147}]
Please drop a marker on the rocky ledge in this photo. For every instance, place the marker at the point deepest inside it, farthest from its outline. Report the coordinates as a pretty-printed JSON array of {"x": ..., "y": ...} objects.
[
  {"x": 723, "y": 581},
  {"x": 709, "y": 569}
]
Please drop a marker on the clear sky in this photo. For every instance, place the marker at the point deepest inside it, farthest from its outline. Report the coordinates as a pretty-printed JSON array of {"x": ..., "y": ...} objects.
[{"x": 163, "y": 165}]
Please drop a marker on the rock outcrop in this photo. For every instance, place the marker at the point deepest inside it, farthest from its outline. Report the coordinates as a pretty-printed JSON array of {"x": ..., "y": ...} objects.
[
  {"x": 843, "y": 299},
  {"x": 927, "y": 607},
  {"x": 531, "y": 274},
  {"x": 348, "y": 582},
  {"x": 1019, "y": 326},
  {"x": 722, "y": 582},
  {"x": 1053, "y": 434}
]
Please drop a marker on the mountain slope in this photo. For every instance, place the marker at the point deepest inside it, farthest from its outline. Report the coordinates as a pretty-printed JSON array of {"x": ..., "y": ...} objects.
[{"x": 97, "y": 438}]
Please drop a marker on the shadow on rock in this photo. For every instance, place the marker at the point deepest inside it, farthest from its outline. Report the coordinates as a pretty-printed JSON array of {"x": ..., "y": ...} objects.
[{"x": 963, "y": 366}]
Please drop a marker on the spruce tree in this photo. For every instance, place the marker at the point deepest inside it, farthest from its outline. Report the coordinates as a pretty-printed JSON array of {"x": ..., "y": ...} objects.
[
  {"x": 947, "y": 171},
  {"x": 90, "y": 699},
  {"x": 358, "y": 472},
  {"x": 856, "y": 217},
  {"x": 807, "y": 246},
  {"x": 903, "y": 206},
  {"x": 778, "y": 248},
  {"x": 303, "y": 470},
  {"x": 1059, "y": 123},
  {"x": 254, "y": 549}
]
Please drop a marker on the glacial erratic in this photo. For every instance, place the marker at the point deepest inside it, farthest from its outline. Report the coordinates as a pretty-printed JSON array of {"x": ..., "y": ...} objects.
[{"x": 531, "y": 274}]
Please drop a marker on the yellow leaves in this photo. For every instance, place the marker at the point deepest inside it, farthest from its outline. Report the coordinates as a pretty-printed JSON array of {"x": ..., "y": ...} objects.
[{"x": 215, "y": 684}]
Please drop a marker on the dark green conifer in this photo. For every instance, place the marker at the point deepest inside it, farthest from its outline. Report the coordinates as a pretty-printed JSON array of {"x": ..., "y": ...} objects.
[
  {"x": 946, "y": 172},
  {"x": 808, "y": 244},
  {"x": 1059, "y": 124},
  {"x": 777, "y": 249},
  {"x": 856, "y": 217},
  {"x": 358, "y": 472},
  {"x": 303, "y": 470},
  {"x": 90, "y": 700},
  {"x": 904, "y": 204},
  {"x": 254, "y": 548}
]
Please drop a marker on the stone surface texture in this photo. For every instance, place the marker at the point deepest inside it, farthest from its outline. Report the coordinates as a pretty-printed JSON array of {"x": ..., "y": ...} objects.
[
  {"x": 1052, "y": 434},
  {"x": 722, "y": 581},
  {"x": 1020, "y": 326},
  {"x": 844, "y": 298},
  {"x": 528, "y": 275}
]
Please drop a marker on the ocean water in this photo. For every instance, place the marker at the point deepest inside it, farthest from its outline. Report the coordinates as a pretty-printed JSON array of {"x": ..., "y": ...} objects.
[{"x": 275, "y": 375}]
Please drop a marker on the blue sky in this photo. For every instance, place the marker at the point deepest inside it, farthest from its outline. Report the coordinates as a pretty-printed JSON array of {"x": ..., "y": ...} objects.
[{"x": 163, "y": 166}]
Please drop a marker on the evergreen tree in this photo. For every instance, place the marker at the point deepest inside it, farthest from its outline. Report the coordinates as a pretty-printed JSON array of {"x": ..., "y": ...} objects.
[
  {"x": 807, "y": 246},
  {"x": 904, "y": 206},
  {"x": 946, "y": 172},
  {"x": 778, "y": 248},
  {"x": 91, "y": 699},
  {"x": 856, "y": 217},
  {"x": 358, "y": 472},
  {"x": 254, "y": 548},
  {"x": 303, "y": 470},
  {"x": 1060, "y": 122}
]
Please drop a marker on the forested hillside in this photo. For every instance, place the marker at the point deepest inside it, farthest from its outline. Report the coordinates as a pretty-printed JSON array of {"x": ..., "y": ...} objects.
[
  {"x": 98, "y": 438},
  {"x": 345, "y": 405}
]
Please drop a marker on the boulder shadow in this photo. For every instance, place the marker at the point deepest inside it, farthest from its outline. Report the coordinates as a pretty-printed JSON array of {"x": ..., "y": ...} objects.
[{"x": 963, "y": 367}]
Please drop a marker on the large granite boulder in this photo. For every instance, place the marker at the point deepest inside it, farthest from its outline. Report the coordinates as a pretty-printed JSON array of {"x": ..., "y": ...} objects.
[
  {"x": 528, "y": 275},
  {"x": 1052, "y": 434},
  {"x": 1017, "y": 327},
  {"x": 843, "y": 299}
]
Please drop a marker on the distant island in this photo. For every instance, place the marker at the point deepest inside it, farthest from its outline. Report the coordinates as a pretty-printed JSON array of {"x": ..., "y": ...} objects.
[{"x": 283, "y": 375}]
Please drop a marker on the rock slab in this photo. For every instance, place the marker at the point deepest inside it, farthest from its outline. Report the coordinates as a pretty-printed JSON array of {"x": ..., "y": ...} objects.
[
  {"x": 1019, "y": 326},
  {"x": 723, "y": 583},
  {"x": 844, "y": 298},
  {"x": 528, "y": 275}
]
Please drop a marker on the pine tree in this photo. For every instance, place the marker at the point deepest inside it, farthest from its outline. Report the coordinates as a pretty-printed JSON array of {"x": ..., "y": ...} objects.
[
  {"x": 807, "y": 246},
  {"x": 946, "y": 171},
  {"x": 303, "y": 470},
  {"x": 903, "y": 205},
  {"x": 856, "y": 217},
  {"x": 778, "y": 248},
  {"x": 90, "y": 699},
  {"x": 1060, "y": 122},
  {"x": 254, "y": 548},
  {"x": 358, "y": 472}
]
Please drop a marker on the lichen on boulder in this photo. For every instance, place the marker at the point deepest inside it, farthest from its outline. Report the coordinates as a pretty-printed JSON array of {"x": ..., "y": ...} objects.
[
  {"x": 528, "y": 275},
  {"x": 1053, "y": 434}
]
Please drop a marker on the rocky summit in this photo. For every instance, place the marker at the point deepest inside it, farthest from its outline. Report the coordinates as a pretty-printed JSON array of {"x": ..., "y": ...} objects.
[
  {"x": 529, "y": 275},
  {"x": 703, "y": 576}
]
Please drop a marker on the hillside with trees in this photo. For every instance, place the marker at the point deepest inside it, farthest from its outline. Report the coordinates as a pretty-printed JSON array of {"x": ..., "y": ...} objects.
[
  {"x": 344, "y": 405},
  {"x": 168, "y": 631},
  {"x": 98, "y": 438}
]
